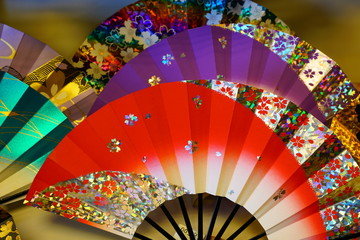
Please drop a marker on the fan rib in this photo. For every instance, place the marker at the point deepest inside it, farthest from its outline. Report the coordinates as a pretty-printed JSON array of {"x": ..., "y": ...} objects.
[
  {"x": 159, "y": 229},
  {"x": 142, "y": 237},
  {"x": 173, "y": 222},
  {"x": 186, "y": 218},
  {"x": 258, "y": 236},
  {"x": 242, "y": 228},
  {"x": 227, "y": 222},
  {"x": 9, "y": 198},
  {"x": 213, "y": 218},
  {"x": 200, "y": 215}
]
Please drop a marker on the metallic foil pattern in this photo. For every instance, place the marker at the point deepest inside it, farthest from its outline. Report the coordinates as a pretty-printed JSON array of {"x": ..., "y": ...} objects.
[
  {"x": 343, "y": 218},
  {"x": 114, "y": 200},
  {"x": 133, "y": 28}
]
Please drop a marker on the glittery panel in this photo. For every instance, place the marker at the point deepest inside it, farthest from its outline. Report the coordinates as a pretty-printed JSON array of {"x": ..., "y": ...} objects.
[
  {"x": 337, "y": 172},
  {"x": 308, "y": 138},
  {"x": 228, "y": 89},
  {"x": 249, "y": 96},
  {"x": 338, "y": 99},
  {"x": 311, "y": 142},
  {"x": 249, "y": 12},
  {"x": 328, "y": 150},
  {"x": 270, "y": 108},
  {"x": 301, "y": 56},
  {"x": 116, "y": 200},
  {"x": 292, "y": 119},
  {"x": 335, "y": 77},
  {"x": 318, "y": 67},
  {"x": 350, "y": 189},
  {"x": 280, "y": 43},
  {"x": 125, "y": 34},
  {"x": 347, "y": 136},
  {"x": 343, "y": 218}
]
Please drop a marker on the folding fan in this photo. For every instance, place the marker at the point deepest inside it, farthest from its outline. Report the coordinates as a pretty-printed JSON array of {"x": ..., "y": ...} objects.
[
  {"x": 39, "y": 66},
  {"x": 141, "y": 24},
  {"x": 30, "y": 127},
  {"x": 210, "y": 52},
  {"x": 162, "y": 142}
]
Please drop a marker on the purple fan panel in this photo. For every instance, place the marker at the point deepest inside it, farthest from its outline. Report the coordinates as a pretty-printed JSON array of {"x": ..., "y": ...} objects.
[{"x": 205, "y": 53}]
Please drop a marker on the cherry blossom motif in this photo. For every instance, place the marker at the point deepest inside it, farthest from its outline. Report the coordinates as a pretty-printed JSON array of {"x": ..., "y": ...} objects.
[
  {"x": 154, "y": 80},
  {"x": 223, "y": 42},
  {"x": 328, "y": 202},
  {"x": 341, "y": 180},
  {"x": 329, "y": 139},
  {"x": 280, "y": 102},
  {"x": 191, "y": 147},
  {"x": 298, "y": 141},
  {"x": 265, "y": 100},
  {"x": 256, "y": 11},
  {"x": 303, "y": 119},
  {"x": 60, "y": 191},
  {"x": 128, "y": 54},
  {"x": 164, "y": 32},
  {"x": 95, "y": 71},
  {"x": 130, "y": 119},
  {"x": 354, "y": 171},
  {"x": 227, "y": 90},
  {"x": 141, "y": 24},
  {"x": 71, "y": 202},
  {"x": 309, "y": 73},
  {"x": 149, "y": 39},
  {"x": 262, "y": 108},
  {"x": 109, "y": 187},
  {"x": 72, "y": 187},
  {"x": 250, "y": 95},
  {"x": 330, "y": 214},
  {"x": 249, "y": 31},
  {"x": 268, "y": 35},
  {"x": 100, "y": 52},
  {"x": 166, "y": 59},
  {"x": 317, "y": 179},
  {"x": 114, "y": 145},
  {"x": 128, "y": 31},
  {"x": 214, "y": 17},
  {"x": 334, "y": 164},
  {"x": 198, "y": 101},
  {"x": 100, "y": 201}
]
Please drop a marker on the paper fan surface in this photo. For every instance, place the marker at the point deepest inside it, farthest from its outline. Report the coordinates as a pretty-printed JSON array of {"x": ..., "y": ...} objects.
[
  {"x": 210, "y": 53},
  {"x": 39, "y": 66},
  {"x": 30, "y": 128},
  {"x": 195, "y": 139},
  {"x": 144, "y": 23},
  {"x": 268, "y": 62}
]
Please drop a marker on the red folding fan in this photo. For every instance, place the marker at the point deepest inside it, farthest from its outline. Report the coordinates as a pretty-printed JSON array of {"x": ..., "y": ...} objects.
[{"x": 171, "y": 139}]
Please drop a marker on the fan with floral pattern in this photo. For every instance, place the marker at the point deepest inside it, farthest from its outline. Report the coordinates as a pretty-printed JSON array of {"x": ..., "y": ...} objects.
[
  {"x": 141, "y": 24},
  {"x": 162, "y": 142}
]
